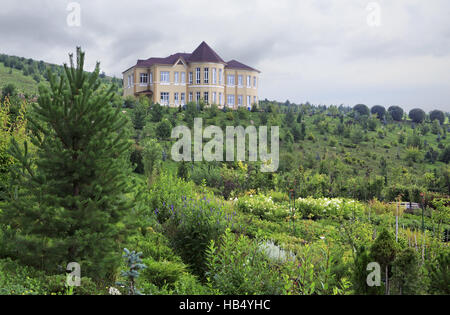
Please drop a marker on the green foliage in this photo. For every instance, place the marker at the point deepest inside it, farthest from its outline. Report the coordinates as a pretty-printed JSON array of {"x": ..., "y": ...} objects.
[
  {"x": 68, "y": 199},
  {"x": 396, "y": 113},
  {"x": 163, "y": 130},
  {"x": 406, "y": 274},
  {"x": 439, "y": 273},
  {"x": 192, "y": 226},
  {"x": 239, "y": 267},
  {"x": 361, "y": 109},
  {"x": 151, "y": 158},
  {"x": 325, "y": 207},
  {"x": 417, "y": 115},
  {"x": 378, "y": 110},
  {"x": 437, "y": 115}
]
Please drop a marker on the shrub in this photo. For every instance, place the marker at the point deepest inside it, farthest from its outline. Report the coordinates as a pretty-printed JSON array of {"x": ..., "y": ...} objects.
[
  {"x": 326, "y": 207},
  {"x": 192, "y": 226},
  {"x": 361, "y": 109},
  {"x": 262, "y": 206},
  {"x": 396, "y": 113},
  {"x": 417, "y": 115},
  {"x": 163, "y": 272},
  {"x": 437, "y": 115},
  {"x": 239, "y": 267},
  {"x": 378, "y": 110}
]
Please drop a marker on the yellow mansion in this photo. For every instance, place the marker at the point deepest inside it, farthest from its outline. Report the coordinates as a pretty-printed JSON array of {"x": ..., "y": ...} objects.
[{"x": 201, "y": 75}]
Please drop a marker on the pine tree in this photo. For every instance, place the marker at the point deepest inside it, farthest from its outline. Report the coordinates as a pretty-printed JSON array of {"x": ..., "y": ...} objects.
[{"x": 69, "y": 197}]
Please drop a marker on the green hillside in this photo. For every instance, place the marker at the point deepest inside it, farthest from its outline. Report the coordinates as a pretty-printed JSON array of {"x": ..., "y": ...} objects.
[
  {"x": 99, "y": 187},
  {"x": 26, "y": 74}
]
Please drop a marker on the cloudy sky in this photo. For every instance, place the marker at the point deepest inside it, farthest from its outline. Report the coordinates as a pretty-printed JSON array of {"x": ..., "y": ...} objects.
[{"x": 388, "y": 52}]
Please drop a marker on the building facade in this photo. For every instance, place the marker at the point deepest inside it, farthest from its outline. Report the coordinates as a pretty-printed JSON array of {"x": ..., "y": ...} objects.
[{"x": 202, "y": 75}]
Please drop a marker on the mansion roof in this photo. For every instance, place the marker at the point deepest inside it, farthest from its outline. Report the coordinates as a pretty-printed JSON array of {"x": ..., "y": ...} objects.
[{"x": 203, "y": 53}]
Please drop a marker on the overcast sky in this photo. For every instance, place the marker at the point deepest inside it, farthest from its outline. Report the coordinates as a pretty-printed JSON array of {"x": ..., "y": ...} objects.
[{"x": 387, "y": 52}]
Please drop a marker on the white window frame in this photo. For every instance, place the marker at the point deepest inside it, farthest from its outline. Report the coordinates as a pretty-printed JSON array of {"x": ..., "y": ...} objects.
[
  {"x": 240, "y": 82},
  {"x": 183, "y": 77},
  {"x": 254, "y": 82},
  {"x": 191, "y": 96},
  {"x": 206, "y": 97},
  {"x": 176, "y": 77},
  {"x": 249, "y": 100},
  {"x": 165, "y": 77},
  {"x": 151, "y": 77},
  {"x": 198, "y": 72},
  {"x": 191, "y": 78},
  {"x": 183, "y": 98},
  {"x": 214, "y": 75},
  {"x": 175, "y": 97},
  {"x": 249, "y": 81},
  {"x": 198, "y": 97},
  {"x": 231, "y": 80},
  {"x": 240, "y": 99},
  {"x": 205, "y": 75},
  {"x": 220, "y": 76},
  {"x": 143, "y": 79},
  {"x": 230, "y": 99},
  {"x": 165, "y": 97},
  {"x": 214, "y": 97},
  {"x": 220, "y": 98}
]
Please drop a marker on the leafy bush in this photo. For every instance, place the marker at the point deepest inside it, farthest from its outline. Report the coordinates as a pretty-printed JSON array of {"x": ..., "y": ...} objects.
[
  {"x": 193, "y": 225},
  {"x": 417, "y": 115},
  {"x": 262, "y": 206},
  {"x": 163, "y": 272},
  {"x": 329, "y": 207},
  {"x": 239, "y": 267}
]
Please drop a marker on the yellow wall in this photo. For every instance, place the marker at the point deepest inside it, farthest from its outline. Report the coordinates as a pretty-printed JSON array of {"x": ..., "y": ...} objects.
[{"x": 158, "y": 87}]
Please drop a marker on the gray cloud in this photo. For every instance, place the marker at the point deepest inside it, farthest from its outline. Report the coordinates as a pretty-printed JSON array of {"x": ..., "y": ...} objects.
[{"x": 313, "y": 50}]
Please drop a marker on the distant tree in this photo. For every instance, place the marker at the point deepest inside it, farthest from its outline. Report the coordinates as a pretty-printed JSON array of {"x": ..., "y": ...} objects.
[
  {"x": 139, "y": 115},
  {"x": 417, "y": 115},
  {"x": 9, "y": 90},
  {"x": 300, "y": 117},
  {"x": 437, "y": 115},
  {"x": 289, "y": 118},
  {"x": 406, "y": 273},
  {"x": 163, "y": 129},
  {"x": 378, "y": 110},
  {"x": 182, "y": 170},
  {"x": 156, "y": 112},
  {"x": 439, "y": 273},
  {"x": 445, "y": 155},
  {"x": 384, "y": 251},
  {"x": 151, "y": 158},
  {"x": 436, "y": 127},
  {"x": 361, "y": 109},
  {"x": 129, "y": 102},
  {"x": 396, "y": 112}
]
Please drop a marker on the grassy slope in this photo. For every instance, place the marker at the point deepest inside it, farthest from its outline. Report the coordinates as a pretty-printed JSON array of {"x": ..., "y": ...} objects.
[{"x": 24, "y": 84}]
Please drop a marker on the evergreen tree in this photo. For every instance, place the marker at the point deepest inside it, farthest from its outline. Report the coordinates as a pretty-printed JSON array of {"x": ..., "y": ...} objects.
[
  {"x": 69, "y": 196},
  {"x": 406, "y": 272},
  {"x": 383, "y": 251}
]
